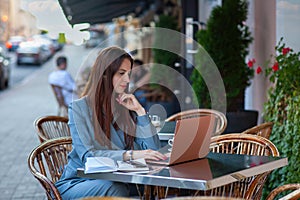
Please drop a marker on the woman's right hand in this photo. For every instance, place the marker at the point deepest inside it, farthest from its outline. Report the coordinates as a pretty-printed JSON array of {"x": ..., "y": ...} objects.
[{"x": 148, "y": 154}]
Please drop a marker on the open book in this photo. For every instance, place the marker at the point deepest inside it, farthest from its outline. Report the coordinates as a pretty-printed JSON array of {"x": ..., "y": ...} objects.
[{"x": 106, "y": 164}]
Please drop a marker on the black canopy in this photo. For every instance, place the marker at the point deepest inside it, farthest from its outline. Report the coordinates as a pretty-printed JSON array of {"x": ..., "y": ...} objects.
[{"x": 101, "y": 11}]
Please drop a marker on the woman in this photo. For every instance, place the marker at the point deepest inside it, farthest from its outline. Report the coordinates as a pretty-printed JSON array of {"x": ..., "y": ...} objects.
[{"x": 107, "y": 121}]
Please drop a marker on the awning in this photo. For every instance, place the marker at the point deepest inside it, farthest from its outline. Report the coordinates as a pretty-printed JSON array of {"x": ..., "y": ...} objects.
[{"x": 101, "y": 11}]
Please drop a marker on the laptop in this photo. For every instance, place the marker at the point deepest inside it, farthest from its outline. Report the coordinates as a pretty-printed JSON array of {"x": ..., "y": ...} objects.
[{"x": 191, "y": 141}]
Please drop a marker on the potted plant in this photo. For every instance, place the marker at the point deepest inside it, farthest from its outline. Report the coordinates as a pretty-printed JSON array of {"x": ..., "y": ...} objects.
[
  {"x": 227, "y": 39},
  {"x": 282, "y": 108}
]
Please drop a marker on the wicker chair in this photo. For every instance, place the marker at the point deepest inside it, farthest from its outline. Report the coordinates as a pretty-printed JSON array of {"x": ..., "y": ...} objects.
[
  {"x": 221, "y": 121},
  {"x": 106, "y": 198},
  {"x": 62, "y": 107},
  {"x": 46, "y": 163},
  {"x": 293, "y": 188},
  {"x": 201, "y": 198},
  {"x": 49, "y": 127},
  {"x": 248, "y": 188},
  {"x": 263, "y": 130}
]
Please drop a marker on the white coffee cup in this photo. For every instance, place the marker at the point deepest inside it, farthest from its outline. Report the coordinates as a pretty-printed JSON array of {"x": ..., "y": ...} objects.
[
  {"x": 171, "y": 141},
  {"x": 155, "y": 119}
]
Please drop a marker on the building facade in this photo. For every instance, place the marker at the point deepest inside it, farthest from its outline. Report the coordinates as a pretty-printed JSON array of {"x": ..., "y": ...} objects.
[{"x": 15, "y": 20}]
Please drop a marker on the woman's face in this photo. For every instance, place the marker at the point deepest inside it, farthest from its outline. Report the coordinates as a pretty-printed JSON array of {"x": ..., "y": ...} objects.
[{"x": 121, "y": 77}]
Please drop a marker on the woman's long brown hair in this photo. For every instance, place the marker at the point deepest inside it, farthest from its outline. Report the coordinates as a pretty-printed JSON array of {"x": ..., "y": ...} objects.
[{"x": 102, "y": 98}]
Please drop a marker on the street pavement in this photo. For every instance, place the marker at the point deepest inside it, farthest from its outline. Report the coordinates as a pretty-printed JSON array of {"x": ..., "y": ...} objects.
[{"x": 19, "y": 107}]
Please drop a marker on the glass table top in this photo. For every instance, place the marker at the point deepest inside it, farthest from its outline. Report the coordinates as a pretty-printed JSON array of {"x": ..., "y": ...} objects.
[{"x": 215, "y": 170}]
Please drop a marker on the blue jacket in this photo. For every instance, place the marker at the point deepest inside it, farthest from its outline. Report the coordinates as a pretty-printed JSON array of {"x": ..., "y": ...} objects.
[{"x": 85, "y": 145}]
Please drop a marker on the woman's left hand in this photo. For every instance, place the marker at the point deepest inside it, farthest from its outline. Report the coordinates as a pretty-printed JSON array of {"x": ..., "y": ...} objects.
[{"x": 131, "y": 103}]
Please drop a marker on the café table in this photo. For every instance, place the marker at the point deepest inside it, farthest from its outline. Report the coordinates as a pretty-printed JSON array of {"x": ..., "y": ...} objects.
[{"x": 215, "y": 170}]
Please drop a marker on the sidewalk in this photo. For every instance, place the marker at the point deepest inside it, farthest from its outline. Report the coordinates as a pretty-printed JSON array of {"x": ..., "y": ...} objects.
[{"x": 20, "y": 106}]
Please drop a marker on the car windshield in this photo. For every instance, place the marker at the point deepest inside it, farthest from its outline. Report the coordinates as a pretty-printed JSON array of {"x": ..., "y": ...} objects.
[{"x": 28, "y": 47}]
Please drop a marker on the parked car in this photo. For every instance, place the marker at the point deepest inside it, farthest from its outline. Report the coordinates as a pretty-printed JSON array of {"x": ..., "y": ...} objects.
[
  {"x": 96, "y": 37},
  {"x": 57, "y": 46},
  {"x": 32, "y": 53},
  {"x": 13, "y": 42},
  {"x": 45, "y": 41},
  {"x": 4, "y": 67}
]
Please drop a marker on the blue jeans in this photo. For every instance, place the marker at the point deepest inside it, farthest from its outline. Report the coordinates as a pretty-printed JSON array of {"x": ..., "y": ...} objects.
[{"x": 94, "y": 187}]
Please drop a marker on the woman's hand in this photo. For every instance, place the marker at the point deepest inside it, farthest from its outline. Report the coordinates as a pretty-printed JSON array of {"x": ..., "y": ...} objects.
[
  {"x": 148, "y": 154},
  {"x": 131, "y": 103}
]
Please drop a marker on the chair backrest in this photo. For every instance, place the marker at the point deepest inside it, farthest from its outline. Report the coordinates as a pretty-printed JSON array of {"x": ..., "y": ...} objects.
[
  {"x": 263, "y": 130},
  {"x": 201, "y": 198},
  {"x": 293, "y": 188},
  {"x": 237, "y": 143},
  {"x": 62, "y": 107},
  {"x": 220, "y": 118},
  {"x": 49, "y": 127},
  {"x": 107, "y": 198},
  {"x": 46, "y": 162}
]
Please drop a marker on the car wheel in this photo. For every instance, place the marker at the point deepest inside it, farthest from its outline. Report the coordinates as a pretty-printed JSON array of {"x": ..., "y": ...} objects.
[
  {"x": 39, "y": 62},
  {"x": 2, "y": 82},
  {"x": 6, "y": 83}
]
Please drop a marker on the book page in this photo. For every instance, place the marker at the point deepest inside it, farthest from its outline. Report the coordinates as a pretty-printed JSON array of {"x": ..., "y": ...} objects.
[
  {"x": 99, "y": 164},
  {"x": 106, "y": 164}
]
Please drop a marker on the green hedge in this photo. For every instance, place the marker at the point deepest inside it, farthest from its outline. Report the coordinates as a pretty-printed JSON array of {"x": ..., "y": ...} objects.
[{"x": 283, "y": 108}]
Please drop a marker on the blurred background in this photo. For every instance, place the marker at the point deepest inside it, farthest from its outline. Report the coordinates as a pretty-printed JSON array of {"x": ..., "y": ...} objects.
[{"x": 34, "y": 32}]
